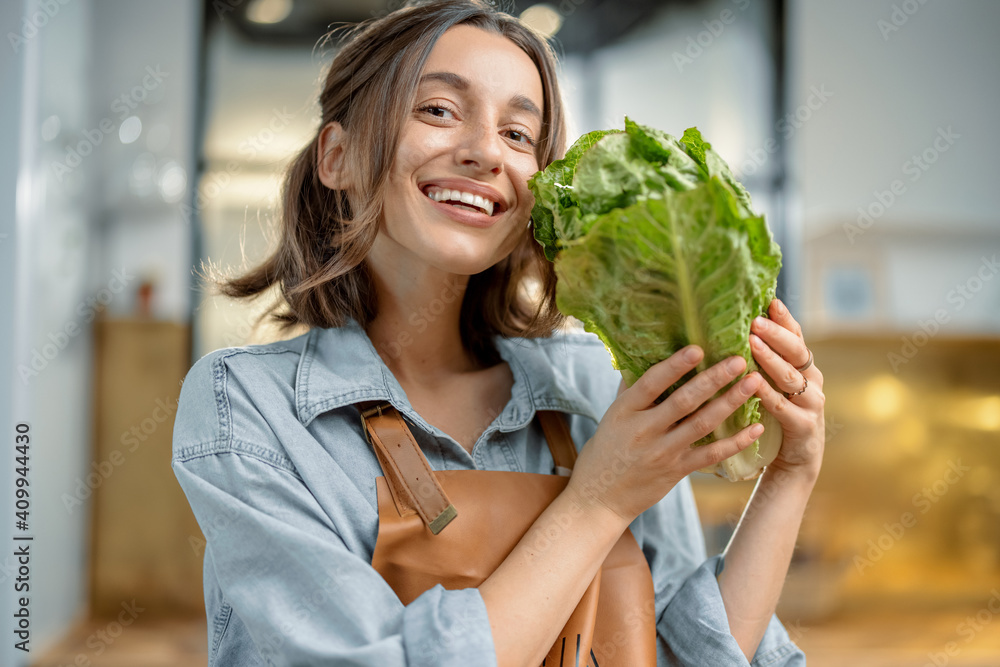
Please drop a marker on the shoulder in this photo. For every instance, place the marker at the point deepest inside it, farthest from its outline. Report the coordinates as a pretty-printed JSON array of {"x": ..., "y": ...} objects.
[
  {"x": 224, "y": 390},
  {"x": 572, "y": 366},
  {"x": 579, "y": 354}
]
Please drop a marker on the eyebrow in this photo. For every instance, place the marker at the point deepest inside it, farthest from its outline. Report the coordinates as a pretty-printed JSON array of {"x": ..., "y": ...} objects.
[{"x": 459, "y": 82}]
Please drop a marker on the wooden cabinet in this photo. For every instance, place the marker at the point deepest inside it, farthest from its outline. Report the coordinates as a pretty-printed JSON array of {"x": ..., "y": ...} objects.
[{"x": 145, "y": 542}]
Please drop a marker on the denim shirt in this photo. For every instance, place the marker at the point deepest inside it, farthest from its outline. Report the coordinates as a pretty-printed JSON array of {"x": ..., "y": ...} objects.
[{"x": 271, "y": 455}]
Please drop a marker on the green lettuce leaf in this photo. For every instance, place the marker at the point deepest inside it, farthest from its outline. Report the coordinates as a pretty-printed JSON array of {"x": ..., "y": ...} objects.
[{"x": 656, "y": 246}]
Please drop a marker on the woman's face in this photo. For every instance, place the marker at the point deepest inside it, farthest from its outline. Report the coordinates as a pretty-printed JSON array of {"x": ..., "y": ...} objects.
[{"x": 457, "y": 196}]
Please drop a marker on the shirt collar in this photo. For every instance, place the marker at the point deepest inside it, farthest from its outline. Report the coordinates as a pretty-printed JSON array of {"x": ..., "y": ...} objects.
[{"x": 339, "y": 366}]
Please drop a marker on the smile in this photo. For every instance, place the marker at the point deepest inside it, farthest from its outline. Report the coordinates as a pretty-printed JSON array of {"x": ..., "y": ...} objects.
[{"x": 460, "y": 199}]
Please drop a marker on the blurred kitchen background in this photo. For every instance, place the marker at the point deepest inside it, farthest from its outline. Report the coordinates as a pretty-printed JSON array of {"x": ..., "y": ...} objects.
[{"x": 143, "y": 138}]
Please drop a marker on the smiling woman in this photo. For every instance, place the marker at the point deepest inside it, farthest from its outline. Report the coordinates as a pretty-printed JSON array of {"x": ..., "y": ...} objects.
[
  {"x": 398, "y": 93},
  {"x": 363, "y": 487}
]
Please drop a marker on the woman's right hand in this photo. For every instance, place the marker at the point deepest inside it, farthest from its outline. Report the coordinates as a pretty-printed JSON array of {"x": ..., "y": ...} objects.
[{"x": 642, "y": 449}]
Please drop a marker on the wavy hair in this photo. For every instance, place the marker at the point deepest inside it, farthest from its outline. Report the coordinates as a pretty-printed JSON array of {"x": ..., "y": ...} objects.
[{"x": 325, "y": 235}]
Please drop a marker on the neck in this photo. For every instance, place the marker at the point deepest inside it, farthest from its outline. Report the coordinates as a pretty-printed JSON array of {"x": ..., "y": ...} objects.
[{"x": 416, "y": 330}]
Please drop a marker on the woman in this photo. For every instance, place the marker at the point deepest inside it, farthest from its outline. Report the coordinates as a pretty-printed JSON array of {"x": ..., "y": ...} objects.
[{"x": 406, "y": 247}]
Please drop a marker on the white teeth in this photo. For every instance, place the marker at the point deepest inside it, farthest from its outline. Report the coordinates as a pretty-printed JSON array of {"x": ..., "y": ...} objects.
[{"x": 465, "y": 197}]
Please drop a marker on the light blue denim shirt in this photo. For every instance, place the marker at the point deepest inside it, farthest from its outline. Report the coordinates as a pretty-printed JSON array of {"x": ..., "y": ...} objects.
[{"x": 269, "y": 450}]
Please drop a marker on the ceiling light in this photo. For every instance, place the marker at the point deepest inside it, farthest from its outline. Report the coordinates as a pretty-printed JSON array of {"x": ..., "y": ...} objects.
[
  {"x": 269, "y": 11},
  {"x": 544, "y": 18}
]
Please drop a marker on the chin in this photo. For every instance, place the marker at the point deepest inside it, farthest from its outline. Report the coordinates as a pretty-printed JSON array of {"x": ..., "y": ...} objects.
[
  {"x": 466, "y": 256},
  {"x": 466, "y": 264}
]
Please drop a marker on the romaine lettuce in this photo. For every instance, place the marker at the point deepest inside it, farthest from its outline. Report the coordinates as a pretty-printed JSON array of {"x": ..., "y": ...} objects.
[{"x": 656, "y": 246}]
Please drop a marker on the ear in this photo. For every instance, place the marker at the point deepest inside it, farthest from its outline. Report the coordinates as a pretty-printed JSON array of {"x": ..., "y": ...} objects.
[{"x": 331, "y": 165}]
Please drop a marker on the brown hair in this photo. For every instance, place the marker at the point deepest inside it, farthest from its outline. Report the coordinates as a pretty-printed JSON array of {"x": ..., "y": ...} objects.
[{"x": 319, "y": 263}]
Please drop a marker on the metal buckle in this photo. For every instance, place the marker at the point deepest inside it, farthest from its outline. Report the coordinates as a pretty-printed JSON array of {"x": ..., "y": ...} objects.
[{"x": 365, "y": 414}]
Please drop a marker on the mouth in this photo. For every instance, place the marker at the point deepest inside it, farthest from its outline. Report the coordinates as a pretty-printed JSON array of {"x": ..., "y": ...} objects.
[{"x": 489, "y": 206}]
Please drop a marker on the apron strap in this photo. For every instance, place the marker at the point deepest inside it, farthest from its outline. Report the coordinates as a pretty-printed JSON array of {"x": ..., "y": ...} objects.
[
  {"x": 411, "y": 481},
  {"x": 559, "y": 439},
  {"x": 413, "y": 485}
]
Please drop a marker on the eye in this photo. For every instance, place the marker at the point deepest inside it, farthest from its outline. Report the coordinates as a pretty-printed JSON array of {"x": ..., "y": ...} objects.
[
  {"x": 521, "y": 137},
  {"x": 436, "y": 110}
]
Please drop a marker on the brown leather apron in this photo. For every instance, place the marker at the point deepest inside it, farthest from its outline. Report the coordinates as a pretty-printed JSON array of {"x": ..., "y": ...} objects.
[{"x": 486, "y": 513}]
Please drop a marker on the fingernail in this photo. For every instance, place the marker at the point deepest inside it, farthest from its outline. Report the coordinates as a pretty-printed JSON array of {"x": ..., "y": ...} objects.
[
  {"x": 779, "y": 306},
  {"x": 760, "y": 322},
  {"x": 691, "y": 354},
  {"x": 756, "y": 430},
  {"x": 734, "y": 364}
]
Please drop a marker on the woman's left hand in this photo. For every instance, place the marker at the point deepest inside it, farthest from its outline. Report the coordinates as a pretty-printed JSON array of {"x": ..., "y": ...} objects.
[{"x": 778, "y": 347}]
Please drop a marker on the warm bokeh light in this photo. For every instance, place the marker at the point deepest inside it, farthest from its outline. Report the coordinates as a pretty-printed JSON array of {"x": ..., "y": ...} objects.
[
  {"x": 544, "y": 18},
  {"x": 884, "y": 397},
  {"x": 269, "y": 11},
  {"x": 984, "y": 413}
]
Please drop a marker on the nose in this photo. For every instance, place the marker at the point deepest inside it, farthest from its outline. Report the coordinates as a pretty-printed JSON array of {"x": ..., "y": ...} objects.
[{"x": 481, "y": 149}]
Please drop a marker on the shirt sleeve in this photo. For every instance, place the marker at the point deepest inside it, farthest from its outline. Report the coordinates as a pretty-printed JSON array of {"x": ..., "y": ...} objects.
[
  {"x": 304, "y": 598},
  {"x": 692, "y": 627},
  {"x": 283, "y": 569}
]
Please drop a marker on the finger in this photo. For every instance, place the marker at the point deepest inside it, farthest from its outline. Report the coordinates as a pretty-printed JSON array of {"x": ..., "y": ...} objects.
[
  {"x": 783, "y": 373},
  {"x": 697, "y": 390},
  {"x": 782, "y": 408},
  {"x": 707, "y": 456},
  {"x": 707, "y": 419},
  {"x": 791, "y": 347},
  {"x": 660, "y": 376},
  {"x": 621, "y": 388},
  {"x": 779, "y": 313}
]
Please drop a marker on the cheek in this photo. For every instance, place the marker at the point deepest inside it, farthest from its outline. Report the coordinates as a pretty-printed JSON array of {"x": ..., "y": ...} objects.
[
  {"x": 515, "y": 232},
  {"x": 417, "y": 145},
  {"x": 519, "y": 175}
]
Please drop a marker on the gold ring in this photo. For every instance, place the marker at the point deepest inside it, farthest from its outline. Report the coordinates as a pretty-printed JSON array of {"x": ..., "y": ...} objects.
[{"x": 805, "y": 383}]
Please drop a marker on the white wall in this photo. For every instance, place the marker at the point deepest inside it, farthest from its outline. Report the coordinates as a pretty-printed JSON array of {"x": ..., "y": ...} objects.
[
  {"x": 677, "y": 72},
  {"x": 903, "y": 75},
  {"x": 69, "y": 222},
  {"x": 48, "y": 248},
  {"x": 11, "y": 326},
  {"x": 939, "y": 69}
]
